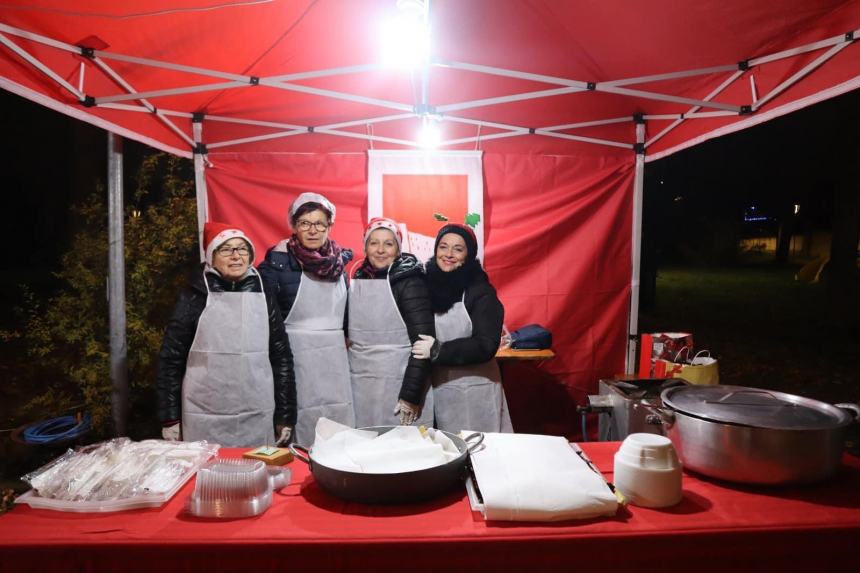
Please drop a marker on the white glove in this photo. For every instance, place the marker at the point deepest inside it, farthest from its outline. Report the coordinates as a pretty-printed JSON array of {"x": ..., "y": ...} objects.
[
  {"x": 421, "y": 348},
  {"x": 284, "y": 433},
  {"x": 408, "y": 412},
  {"x": 172, "y": 433}
]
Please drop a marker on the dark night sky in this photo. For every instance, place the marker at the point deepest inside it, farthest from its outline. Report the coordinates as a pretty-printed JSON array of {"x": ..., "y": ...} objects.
[{"x": 51, "y": 161}]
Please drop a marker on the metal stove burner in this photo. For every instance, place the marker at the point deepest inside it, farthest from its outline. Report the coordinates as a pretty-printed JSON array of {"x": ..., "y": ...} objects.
[{"x": 619, "y": 406}]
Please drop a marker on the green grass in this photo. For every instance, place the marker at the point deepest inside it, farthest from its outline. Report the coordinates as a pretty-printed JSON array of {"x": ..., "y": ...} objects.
[{"x": 766, "y": 329}]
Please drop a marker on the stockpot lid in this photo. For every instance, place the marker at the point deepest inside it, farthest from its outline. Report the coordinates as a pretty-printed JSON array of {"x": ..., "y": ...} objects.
[{"x": 754, "y": 407}]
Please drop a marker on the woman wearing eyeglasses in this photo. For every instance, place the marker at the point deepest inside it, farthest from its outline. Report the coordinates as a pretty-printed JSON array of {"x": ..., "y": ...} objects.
[
  {"x": 467, "y": 388},
  {"x": 225, "y": 370},
  {"x": 306, "y": 273},
  {"x": 389, "y": 308}
]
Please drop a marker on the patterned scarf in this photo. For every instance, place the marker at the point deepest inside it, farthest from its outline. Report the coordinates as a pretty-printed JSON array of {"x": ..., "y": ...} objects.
[{"x": 325, "y": 263}]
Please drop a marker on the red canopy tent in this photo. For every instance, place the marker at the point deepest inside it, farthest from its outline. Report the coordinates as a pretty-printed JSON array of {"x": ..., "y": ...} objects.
[{"x": 566, "y": 100}]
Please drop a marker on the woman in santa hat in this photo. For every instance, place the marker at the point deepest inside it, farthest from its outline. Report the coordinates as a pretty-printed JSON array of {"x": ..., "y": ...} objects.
[
  {"x": 467, "y": 389},
  {"x": 225, "y": 370},
  {"x": 389, "y": 309},
  {"x": 306, "y": 273}
]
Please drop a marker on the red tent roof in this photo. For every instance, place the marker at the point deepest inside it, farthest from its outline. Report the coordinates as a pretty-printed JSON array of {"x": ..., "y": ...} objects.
[{"x": 579, "y": 52}]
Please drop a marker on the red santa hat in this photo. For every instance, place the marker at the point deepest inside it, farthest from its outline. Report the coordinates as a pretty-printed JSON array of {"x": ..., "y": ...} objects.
[
  {"x": 216, "y": 234},
  {"x": 384, "y": 223}
]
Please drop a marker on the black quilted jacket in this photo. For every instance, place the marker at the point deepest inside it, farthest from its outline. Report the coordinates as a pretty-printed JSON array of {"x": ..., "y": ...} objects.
[
  {"x": 180, "y": 334},
  {"x": 413, "y": 301}
]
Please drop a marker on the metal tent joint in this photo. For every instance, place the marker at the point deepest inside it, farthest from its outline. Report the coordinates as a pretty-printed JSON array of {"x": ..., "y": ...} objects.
[
  {"x": 532, "y": 130},
  {"x": 745, "y": 110},
  {"x": 310, "y": 129},
  {"x": 88, "y": 101},
  {"x": 639, "y": 148},
  {"x": 200, "y": 149},
  {"x": 254, "y": 80},
  {"x": 744, "y": 65},
  {"x": 849, "y": 36},
  {"x": 638, "y": 118},
  {"x": 591, "y": 86},
  {"x": 197, "y": 117},
  {"x": 88, "y": 52}
]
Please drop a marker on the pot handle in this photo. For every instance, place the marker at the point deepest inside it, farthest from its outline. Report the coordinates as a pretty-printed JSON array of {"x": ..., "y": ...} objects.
[
  {"x": 304, "y": 455},
  {"x": 854, "y": 408},
  {"x": 473, "y": 441},
  {"x": 658, "y": 416}
]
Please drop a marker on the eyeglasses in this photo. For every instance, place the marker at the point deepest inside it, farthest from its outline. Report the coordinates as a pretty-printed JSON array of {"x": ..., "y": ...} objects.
[
  {"x": 305, "y": 225},
  {"x": 226, "y": 251}
]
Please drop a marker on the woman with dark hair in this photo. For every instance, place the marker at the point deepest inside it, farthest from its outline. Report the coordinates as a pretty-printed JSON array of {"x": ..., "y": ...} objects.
[
  {"x": 306, "y": 273},
  {"x": 225, "y": 372},
  {"x": 389, "y": 309},
  {"x": 467, "y": 388}
]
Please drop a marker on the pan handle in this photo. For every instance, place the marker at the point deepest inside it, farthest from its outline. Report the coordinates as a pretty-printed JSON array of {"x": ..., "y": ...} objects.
[
  {"x": 304, "y": 455},
  {"x": 854, "y": 408},
  {"x": 658, "y": 416},
  {"x": 473, "y": 441}
]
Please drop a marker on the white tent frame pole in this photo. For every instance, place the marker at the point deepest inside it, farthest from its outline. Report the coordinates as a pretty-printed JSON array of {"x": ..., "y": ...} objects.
[
  {"x": 338, "y": 95},
  {"x": 582, "y": 124},
  {"x": 670, "y": 76},
  {"x": 695, "y": 109},
  {"x": 797, "y": 76},
  {"x": 121, "y": 81},
  {"x": 366, "y": 137},
  {"x": 171, "y": 66},
  {"x": 171, "y": 91},
  {"x": 583, "y": 139},
  {"x": 36, "y": 63},
  {"x": 477, "y": 138},
  {"x": 665, "y": 97},
  {"x": 200, "y": 186},
  {"x": 690, "y": 115},
  {"x": 635, "y": 252},
  {"x": 791, "y": 52},
  {"x": 39, "y": 38},
  {"x": 116, "y": 288},
  {"x": 511, "y": 73},
  {"x": 266, "y": 137},
  {"x": 506, "y": 99},
  {"x": 325, "y": 73}
]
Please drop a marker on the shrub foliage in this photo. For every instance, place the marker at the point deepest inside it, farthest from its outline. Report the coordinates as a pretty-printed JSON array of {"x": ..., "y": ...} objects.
[{"x": 66, "y": 335}]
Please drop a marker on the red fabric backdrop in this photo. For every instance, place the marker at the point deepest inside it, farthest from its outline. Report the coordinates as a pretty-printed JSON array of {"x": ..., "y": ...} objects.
[{"x": 558, "y": 233}]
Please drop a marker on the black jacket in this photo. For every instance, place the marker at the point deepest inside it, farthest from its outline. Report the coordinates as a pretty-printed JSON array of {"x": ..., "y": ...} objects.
[
  {"x": 484, "y": 308},
  {"x": 179, "y": 336},
  {"x": 406, "y": 277},
  {"x": 282, "y": 273}
]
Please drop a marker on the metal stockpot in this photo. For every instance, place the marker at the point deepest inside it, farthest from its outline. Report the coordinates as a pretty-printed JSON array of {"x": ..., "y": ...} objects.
[
  {"x": 751, "y": 435},
  {"x": 392, "y": 488}
]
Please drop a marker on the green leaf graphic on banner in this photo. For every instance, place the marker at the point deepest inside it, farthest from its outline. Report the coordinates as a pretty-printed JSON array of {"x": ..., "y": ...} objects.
[
  {"x": 472, "y": 219},
  {"x": 440, "y": 217}
]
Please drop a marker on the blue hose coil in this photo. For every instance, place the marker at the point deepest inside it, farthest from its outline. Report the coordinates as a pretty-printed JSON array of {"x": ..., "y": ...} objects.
[{"x": 57, "y": 429}]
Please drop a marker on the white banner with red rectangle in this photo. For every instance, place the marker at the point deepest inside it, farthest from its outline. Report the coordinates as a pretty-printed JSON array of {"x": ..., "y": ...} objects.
[{"x": 423, "y": 190}]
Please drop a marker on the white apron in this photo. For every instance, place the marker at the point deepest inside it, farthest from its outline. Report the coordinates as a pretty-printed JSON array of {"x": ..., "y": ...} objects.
[
  {"x": 228, "y": 393},
  {"x": 315, "y": 328},
  {"x": 468, "y": 397},
  {"x": 378, "y": 354}
]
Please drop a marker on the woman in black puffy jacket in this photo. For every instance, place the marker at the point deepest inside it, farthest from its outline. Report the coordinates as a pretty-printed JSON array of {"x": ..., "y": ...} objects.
[
  {"x": 467, "y": 388},
  {"x": 225, "y": 370},
  {"x": 389, "y": 309}
]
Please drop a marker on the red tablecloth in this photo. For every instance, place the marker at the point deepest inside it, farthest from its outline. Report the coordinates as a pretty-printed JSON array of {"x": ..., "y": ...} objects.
[{"x": 717, "y": 526}]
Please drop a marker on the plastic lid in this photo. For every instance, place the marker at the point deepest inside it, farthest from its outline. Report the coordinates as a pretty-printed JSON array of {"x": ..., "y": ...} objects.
[{"x": 754, "y": 407}]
